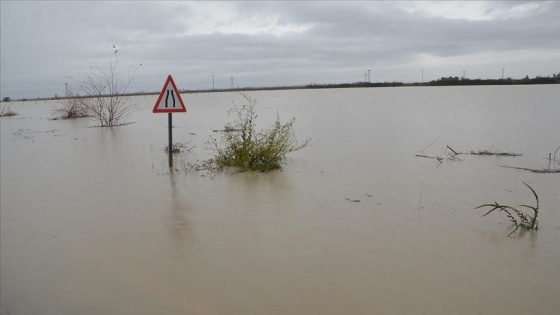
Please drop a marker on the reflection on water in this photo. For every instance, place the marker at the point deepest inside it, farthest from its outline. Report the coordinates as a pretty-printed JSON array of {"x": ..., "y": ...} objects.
[
  {"x": 177, "y": 223},
  {"x": 93, "y": 222}
]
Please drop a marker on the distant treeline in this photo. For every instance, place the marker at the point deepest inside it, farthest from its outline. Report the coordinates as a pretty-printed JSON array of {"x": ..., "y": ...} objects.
[
  {"x": 443, "y": 81},
  {"x": 300, "y": 87},
  {"x": 465, "y": 81}
]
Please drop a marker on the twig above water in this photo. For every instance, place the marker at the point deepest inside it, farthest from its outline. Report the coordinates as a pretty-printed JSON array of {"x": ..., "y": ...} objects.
[
  {"x": 534, "y": 170},
  {"x": 452, "y": 150},
  {"x": 428, "y": 146}
]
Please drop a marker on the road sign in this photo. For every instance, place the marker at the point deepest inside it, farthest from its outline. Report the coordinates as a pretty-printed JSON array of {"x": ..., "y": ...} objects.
[{"x": 169, "y": 100}]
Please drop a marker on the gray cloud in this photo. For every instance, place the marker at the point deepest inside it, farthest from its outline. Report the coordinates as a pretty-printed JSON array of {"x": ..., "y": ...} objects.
[{"x": 273, "y": 43}]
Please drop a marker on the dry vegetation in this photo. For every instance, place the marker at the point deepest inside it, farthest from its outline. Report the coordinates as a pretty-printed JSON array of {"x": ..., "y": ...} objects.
[
  {"x": 7, "y": 111},
  {"x": 517, "y": 216},
  {"x": 101, "y": 94}
]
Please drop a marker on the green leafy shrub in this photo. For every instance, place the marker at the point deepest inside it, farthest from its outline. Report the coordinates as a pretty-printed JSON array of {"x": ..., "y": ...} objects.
[{"x": 243, "y": 148}]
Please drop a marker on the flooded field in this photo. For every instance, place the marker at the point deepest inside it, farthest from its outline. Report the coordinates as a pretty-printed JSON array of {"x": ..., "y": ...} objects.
[{"x": 93, "y": 222}]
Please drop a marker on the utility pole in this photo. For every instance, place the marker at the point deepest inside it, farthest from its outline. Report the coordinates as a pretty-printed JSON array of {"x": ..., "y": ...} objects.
[
  {"x": 503, "y": 73},
  {"x": 369, "y": 76},
  {"x": 232, "y": 82},
  {"x": 213, "y": 88},
  {"x": 66, "y": 89},
  {"x": 365, "y": 76},
  {"x": 422, "y": 75}
]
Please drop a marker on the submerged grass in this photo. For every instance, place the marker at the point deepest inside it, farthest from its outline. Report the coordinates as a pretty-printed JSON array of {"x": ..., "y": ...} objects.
[
  {"x": 535, "y": 170},
  {"x": 518, "y": 217},
  {"x": 492, "y": 151},
  {"x": 178, "y": 147},
  {"x": 495, "y": 153}
]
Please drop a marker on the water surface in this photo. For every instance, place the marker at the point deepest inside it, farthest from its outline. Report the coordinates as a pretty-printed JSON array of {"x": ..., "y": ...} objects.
[{"x": 93, "y": 222}]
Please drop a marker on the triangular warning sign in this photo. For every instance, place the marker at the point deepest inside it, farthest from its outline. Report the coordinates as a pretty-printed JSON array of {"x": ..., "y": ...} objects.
[{"x": 169, "y": 100}]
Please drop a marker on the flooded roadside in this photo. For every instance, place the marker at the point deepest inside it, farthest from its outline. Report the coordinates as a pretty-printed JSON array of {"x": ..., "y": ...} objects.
[{"x": 93, "y": 222}]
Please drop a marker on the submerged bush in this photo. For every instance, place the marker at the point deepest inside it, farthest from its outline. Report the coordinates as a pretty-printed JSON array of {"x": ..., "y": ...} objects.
[
  {"x": 243, "y": 148},
  {"x": 70, "y": 109},
  {"x": 7, "y": 111}
]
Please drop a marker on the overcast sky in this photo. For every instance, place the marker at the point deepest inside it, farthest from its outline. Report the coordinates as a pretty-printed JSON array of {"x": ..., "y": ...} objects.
[{"x": 273, "y": 43}]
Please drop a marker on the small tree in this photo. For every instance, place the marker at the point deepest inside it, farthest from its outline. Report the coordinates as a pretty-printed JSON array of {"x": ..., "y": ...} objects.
[{"x": 102, "y": 94}]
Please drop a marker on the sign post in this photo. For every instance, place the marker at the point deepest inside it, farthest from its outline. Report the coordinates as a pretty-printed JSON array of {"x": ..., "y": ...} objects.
[
  {"x": 170, "y": 147},
  {"x": 171, "y": 103}
]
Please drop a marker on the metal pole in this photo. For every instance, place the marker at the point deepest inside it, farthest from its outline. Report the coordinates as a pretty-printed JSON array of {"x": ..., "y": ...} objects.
[{"x": 170, "y": 150}]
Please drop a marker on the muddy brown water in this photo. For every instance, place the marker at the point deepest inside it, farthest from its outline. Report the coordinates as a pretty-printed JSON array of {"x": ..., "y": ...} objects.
[{"x": 93, "y": 222}]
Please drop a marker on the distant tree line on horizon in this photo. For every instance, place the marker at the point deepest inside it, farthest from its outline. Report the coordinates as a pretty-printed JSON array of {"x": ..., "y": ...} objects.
[
  {"x": 443, "y": 81},
  {"x": 555, "y": 78}
]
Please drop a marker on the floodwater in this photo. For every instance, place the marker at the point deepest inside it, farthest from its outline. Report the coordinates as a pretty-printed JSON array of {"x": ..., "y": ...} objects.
[{"x": 93, "y": 222}]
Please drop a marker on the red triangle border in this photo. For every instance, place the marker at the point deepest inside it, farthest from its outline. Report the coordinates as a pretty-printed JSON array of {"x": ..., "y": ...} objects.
[{"x": 169, "y": 110}]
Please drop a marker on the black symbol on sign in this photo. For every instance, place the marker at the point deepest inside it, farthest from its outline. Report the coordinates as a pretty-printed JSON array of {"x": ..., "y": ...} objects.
[{"x": 167, "y": 98}]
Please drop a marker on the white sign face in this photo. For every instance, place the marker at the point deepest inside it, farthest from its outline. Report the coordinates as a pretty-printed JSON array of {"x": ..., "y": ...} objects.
[{"x": 169, "y": 100}]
